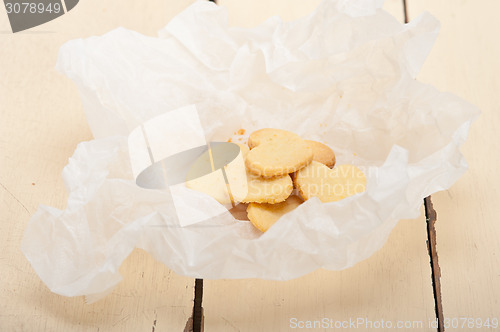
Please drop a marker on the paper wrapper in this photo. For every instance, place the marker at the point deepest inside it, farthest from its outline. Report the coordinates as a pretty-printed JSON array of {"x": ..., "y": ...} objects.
[{"x": 344, "y": 75}]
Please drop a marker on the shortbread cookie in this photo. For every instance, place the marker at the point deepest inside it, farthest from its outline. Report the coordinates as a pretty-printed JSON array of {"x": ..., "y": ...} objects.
[
  {"x": 322, "y": 153},
  {"x": 258, "y": 189},
  {"x": 263, "y": 216},
  {"x": 267, "y": 135},
  {"x": 329, "y": 185},
  {"x": 238, "y": 184},
  {"x": 268, "y": 190},
  {"x": 276, "y": 152}
]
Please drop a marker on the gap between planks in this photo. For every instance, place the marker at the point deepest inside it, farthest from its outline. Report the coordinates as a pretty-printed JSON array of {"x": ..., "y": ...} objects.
[
  {"x": 430, "y": 218},
  {"x": 196, "y": 322}
]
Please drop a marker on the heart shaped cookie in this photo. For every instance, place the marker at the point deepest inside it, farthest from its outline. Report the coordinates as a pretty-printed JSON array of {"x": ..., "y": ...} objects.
[
  {"x": 268, "y": 135},
  {"x": 322, "y": 153},
  {"x": 263, "y": 216},
  {"x": 329, "y": 185},
  {"x": 268, "y": 190},
  {"x": 241, "y": 186},
  {"x": 258, "y": 189},
  {"x": 276, "y": 152}
]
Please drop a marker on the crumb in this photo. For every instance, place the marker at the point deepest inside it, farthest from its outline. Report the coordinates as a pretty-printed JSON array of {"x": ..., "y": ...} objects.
[
  {"x": 32, "y": 183},
  {"x": 230, "y": 140},
  {"x": 240, "y": 132}
]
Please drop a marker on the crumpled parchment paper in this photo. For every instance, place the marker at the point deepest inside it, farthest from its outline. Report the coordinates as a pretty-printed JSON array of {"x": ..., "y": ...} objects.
[{"x": 344, "y": 75}]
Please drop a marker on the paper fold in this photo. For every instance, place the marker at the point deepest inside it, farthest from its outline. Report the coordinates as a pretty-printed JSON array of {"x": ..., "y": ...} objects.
[{"x": 343, "y": 75}]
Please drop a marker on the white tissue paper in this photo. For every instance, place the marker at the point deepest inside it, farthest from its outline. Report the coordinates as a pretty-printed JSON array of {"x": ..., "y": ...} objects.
[{"x": 344, "y": 75}]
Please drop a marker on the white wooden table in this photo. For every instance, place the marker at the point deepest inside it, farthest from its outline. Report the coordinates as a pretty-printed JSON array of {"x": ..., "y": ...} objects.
[{"x": 42, "y": 121}]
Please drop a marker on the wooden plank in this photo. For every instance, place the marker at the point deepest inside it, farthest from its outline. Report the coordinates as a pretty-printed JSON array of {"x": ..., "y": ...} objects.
[
  {"x": 41, "y": 122},
  {"x": 392, "y": 285},
  {"x": 465, "y": 61}
]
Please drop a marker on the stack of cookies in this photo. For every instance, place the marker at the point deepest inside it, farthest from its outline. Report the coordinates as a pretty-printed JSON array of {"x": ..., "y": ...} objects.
[{"x": 277, "y": 161}]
